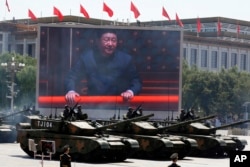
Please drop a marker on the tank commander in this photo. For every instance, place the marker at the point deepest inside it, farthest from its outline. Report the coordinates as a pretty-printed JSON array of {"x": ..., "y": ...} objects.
[
  {"x": 129, "y": 113},
  {"x": 79, "y": 114},
  {"x": 66, "y": 112},
  {"x": 182, "y": 115}
]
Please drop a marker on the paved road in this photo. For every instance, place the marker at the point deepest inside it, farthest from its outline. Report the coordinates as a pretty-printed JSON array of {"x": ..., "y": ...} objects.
[{"x": 11, "y": 155}]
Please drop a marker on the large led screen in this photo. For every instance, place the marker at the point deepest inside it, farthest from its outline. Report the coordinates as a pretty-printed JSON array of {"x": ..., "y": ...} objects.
[{"x": 151, "y": 54}]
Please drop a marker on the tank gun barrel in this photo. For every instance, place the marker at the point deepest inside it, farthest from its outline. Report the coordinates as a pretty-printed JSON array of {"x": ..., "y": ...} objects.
[
  {"x": 127, "y": 121},
  {"x": 229, "y": 125},
  {"x": 166, "y": 128},
  {"x": 12, "y": 114}
]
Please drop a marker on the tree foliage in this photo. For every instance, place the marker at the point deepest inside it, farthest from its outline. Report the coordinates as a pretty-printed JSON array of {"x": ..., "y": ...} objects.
[
  {"x": 215, "y": 92},
  {"x": 25, "y": 80}
]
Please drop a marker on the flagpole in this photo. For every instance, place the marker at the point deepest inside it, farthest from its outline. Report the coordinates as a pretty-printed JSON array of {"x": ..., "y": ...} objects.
[
  {"x": 102, "y": 12},
  {"x": 238, "y": 29},
  {"x": 4, "y": 17},
  {"x": 175, "y": 25},
  {"x": 130, "y": 12},
  {"x": 28, "y": 24},
  {"x": 80, "y": 11},
  {"x": 198, "y": 26},
  {"x": 218, "y": 27},
  {"x": 5, "y": 10}
]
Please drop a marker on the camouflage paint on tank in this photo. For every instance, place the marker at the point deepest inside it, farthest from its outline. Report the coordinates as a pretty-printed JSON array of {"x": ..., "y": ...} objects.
[
  {"x": 153, "y": 144},
  {"x": 209, "y": 143},
  {"x": 87, "y": 139}
]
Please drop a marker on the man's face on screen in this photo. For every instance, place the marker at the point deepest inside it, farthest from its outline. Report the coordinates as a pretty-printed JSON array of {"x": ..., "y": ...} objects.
[{"x": 108, "y": 43}]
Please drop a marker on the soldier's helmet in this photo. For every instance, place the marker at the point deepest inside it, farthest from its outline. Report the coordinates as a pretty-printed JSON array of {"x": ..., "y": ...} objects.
[
  {"x": 174, "y": 156},
  {"x": 130, "y": 109}
]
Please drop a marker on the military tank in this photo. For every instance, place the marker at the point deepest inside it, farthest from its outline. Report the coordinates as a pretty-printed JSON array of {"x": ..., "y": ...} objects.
[
  {"x": 154, "y": 144},
  {"x": 209, "y": 143},
  {"x": 8, "y": 125},
  {"x": 87, "y": 138},
  {"x": 7, "y": 133},
  {"x": 7, "y": 130}
]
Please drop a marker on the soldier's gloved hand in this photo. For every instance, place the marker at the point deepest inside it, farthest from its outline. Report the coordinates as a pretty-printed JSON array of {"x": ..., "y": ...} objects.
[
  {"x": 127, "y": 95},
  {"x": 71, "y": 96}
]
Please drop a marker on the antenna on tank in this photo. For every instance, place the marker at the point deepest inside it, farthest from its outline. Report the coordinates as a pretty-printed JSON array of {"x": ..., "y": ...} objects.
[{"x": 119, "y": 114}]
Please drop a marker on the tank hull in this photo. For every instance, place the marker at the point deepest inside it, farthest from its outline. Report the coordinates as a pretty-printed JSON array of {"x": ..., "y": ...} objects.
[
  {"x": 161, "y": 146},
  {"x": 215, "y": 145},
  {"x": 83, "y": 148}
]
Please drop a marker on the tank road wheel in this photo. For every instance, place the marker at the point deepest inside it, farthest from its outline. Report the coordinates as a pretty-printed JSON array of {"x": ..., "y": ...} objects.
[
  {"x": 27, "y": 151},
  {"x": 220, "y": 153},
  {"x": 239, "y": 146},
  {"x": 92, "y": 157},
  {"x": 115, "y": 156}
]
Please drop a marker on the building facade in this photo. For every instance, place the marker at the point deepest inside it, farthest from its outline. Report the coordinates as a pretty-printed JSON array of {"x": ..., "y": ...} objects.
[{"x": 18, "y": 38}]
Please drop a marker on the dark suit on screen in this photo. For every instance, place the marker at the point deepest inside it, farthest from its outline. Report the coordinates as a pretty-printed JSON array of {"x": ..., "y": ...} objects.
[{"x": 105, "y": 75}]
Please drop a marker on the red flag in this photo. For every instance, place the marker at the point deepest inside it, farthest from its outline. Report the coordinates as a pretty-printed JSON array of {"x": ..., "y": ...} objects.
[
  {"x": 7, "y": 5},
  {"x": 31, "y": 15},
  {"x": 198, "y": 25},
  {"x": 134, "y": 9},
  {"x": 218, "y": 27},
  {"x": 107, "y": 9},
  {"x": 165, "y": 14},
  {"x": 84, "y": 12},
  {"x": 178, "y": 20},
  {"x": 58, "y": 13}
]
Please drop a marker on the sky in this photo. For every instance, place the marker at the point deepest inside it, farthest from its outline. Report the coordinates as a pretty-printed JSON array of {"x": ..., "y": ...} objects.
[{"x": 150, "y": 10}]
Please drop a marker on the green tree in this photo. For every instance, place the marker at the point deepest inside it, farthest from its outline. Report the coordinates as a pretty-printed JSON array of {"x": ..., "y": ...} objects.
[
  {"x": 25, "y": 80},
  {"x": 221, "y": 92}
]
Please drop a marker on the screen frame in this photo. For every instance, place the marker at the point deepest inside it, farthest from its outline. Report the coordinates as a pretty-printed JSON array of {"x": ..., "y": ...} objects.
[{"x": 118, "y": 100}]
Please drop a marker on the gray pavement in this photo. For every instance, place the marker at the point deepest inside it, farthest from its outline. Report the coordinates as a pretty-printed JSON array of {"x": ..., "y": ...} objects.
[{"x": 11, "y": 155}]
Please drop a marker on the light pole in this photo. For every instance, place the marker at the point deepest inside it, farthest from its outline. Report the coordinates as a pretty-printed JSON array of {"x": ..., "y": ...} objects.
[
  {"x": 246, "y": 112},
  {"x": 12, "y": 68},
  {"x": 246, "y": 107}
]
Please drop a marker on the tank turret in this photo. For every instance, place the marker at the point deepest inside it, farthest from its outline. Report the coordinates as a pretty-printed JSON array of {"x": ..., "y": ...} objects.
[{"x": 88, "y": 139}]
